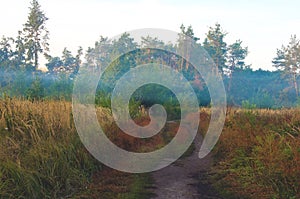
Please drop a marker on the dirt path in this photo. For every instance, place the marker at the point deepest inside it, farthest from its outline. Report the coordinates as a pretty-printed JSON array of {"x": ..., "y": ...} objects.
[{"x": 185, "y": 179}]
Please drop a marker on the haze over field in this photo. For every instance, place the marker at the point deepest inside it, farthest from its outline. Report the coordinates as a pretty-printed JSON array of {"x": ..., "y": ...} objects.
[
  {"x": 263, "y": 26},
  {"x": 173, "y": 107}
]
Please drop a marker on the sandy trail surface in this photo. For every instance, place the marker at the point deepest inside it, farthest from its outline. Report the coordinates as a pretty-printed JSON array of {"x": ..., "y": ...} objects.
[{"x": 185, "y": 179}]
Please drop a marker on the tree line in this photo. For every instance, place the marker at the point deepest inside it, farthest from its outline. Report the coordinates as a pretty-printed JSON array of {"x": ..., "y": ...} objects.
[{"x": 20, "y": 61}]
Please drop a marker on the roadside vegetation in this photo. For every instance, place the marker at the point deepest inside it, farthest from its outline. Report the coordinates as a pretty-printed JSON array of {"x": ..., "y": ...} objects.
[
  {"x": 258, "y": 154},
  {"x": 42, "y": 156}
]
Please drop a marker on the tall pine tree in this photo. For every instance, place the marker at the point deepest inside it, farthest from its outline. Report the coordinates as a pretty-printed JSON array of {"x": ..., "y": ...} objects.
[
  {"x": 216, "y": 47},
  {"x": 288, "y": 60},
  {"x": 36, "y": 34}
]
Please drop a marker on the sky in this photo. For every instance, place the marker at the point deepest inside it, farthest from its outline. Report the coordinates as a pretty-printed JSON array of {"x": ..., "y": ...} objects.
[{"x": 262, "y": 25}]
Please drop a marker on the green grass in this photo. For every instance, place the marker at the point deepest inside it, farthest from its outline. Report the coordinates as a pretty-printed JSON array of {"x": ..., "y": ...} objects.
[
  {"x": 41, "y": 155},
  {"x": 258, "y": 155},
  {"x": 138, "y": 188}
]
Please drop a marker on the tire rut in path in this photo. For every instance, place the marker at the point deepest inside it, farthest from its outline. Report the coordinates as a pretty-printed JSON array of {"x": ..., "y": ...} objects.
[{"x": 186, "y": 178}]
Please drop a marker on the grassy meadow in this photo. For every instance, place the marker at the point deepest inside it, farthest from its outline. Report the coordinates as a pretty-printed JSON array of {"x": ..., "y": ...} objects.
[
  {"x": 41, "y": 155},
  {"x": 258, "y": 154}
]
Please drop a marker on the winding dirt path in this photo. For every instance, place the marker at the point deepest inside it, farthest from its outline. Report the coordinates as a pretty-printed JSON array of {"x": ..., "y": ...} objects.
[{"x": 185, "y": 178}]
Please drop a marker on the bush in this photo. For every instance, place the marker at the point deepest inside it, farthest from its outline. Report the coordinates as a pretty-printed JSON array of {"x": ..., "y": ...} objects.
[{"x": 247, "y": 105}]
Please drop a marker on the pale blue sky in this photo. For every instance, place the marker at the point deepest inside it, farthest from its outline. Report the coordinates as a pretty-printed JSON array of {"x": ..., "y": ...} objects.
[{"x": 263, "y": 26}]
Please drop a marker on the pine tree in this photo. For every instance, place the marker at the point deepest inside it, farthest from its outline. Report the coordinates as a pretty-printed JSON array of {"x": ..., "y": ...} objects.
[
  {"x": 185, "y": 44},
  {"x": 36, "y": 34},
  {"x": 20, "y": 50},
  {"x": 288, "y": 60},
  {"x": 236, "y": 57},
  {"x": 216, "y": 47}
]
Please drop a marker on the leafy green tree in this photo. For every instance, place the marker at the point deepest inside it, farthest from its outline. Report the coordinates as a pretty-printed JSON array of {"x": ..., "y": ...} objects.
[
  {"x": 186, "y": 40},
  {"x": 288, "y": 61},
  {"x": 11, "y": 66},
  {"x": 60, "y": 88},
  {"x": 78, "y": 59},
  {"x": 21, "y": 82},
  {"x": 257, "y": 86},
  {"x": 123, "y": 44},
  {"x": 152, "y": 50},
  {"x": 5, "y": 62},
  {"x": 262, "y": 99},
  {"x": 54, "y": 63},
  {"x": 6, "y": 52},
  {"x": 12, "y": 53},
  {"x": 69, "y": 61},
  {"x": 216, "y": 47},
  {"x": 36, "y": 91},
  {"x": 122, "y": 55},
  {"x": 99, "y": 55},
  {"x": 236, "y": 55},
  {"x": 36, "y": 34},
  {"x": 150, "y": 42},
  {"x": 67, "y": 64},
  {"x": 20, "y": 50},
  {"x": 235, "y": 58}
]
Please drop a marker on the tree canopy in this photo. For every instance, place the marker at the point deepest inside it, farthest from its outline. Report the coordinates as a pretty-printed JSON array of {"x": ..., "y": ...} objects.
[{"x": 20, "y": 59}]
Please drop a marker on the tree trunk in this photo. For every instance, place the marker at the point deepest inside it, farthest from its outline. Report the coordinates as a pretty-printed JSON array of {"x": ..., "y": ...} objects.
[
  {"x": 188, "y": 47},
  {"x": 182, "y": 62},
  {"x": 232, "y": 68},
  {"x": 35, "y": 59},
  {"x": 295, "y": 85},
  {"x": 230, "y": 82},
  {"x": 217, "y": 66}
]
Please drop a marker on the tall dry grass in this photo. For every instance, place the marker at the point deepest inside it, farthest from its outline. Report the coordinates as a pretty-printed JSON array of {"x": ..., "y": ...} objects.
[
  {"x": 41, "y": 155},
  {"x": 258, "y": 154}
]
